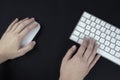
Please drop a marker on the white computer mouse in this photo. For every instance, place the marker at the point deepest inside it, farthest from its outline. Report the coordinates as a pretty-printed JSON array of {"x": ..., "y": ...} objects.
[{"x": 29, "y": 37}]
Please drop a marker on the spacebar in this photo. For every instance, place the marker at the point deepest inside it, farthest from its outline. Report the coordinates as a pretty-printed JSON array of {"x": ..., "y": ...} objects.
[{"x": 108, "y": 56}]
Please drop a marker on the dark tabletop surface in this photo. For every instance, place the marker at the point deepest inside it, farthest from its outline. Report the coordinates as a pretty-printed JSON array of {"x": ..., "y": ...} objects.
[{"x": 57, "y": 18}]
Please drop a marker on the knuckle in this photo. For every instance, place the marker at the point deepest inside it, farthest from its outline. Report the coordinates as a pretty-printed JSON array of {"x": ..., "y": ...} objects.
[
  {"x": 19, "y": 37},
  {"x": 90, "y": 48},
  {"x": 84, "y": 45},
  {"x": 21, "y": 25}
]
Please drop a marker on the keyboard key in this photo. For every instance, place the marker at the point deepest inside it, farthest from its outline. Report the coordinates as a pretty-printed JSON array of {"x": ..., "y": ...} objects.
[
  {"x": 82, "y": 24},
  {"x": 102, "y": 29},
  {"x": 88, "y": 27},
  {"x": 87, "y": 32},
  {"x": 102, "y": 40},
  {"x": 97, "y": 37},
  {"x": 107, "y": 26},
  {"x": 117, "y": 55},
  {"x": 113, "y": 34},
  {"x": 107, "y": 31},
  {"x": 117, "y": 48},
  {"x": 74, "y": 38},
  {"x": 76, "y": 33},
  {"x": 107, "y": 43},
  {"x": 88, "y": 21},
  {"x": 113, "y": 40},
  {"x": 86, "y": 15},
  {"x": 117, "y": 31},
  {"x": 93, "y": 24},
  {"x": 103, "y": 35},
  {"x": 97, "y": 20},
  {"x": 98, "y": 26},
  {"x": 108, "y": 37},
  {"x": 92, "y": 18},
  {"x": 102, "y": 46},
  {"x": 80, "y": 29},
  {"x": 92, "y": 35},
  {"x": 112, "y": 45},
  {"x": 112, "y": 51},
  {"x": 112, "y": 28},
  {"x": 98, "y": 32},
  {"x": 102, "y": 23},
  {"x": 83, "y": 19},
  {"x": 80, "y": 41},
  {"x": 93, "y": 30},
  {"x": 82, "y": 36},
  {"x": 107, "y": 49},
  {"x": 118, "y": 43},
  {"x": 118, "y": 37}
]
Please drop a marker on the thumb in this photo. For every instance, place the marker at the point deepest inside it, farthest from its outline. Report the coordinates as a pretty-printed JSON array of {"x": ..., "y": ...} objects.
[{"x": 26, "y": 49}]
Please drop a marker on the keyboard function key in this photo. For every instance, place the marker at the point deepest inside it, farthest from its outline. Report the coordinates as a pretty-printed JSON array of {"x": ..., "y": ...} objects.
[
  {"x": 112, "y": 28},
  {"x": 97, "y": 20},
  {"x": 92, "y": 18},
  {"x": 87, "y": 15},
  {"x": 102, "y": 23},
  {"x": 93, "y": 24},
  {"x": 107, "y": 26}
]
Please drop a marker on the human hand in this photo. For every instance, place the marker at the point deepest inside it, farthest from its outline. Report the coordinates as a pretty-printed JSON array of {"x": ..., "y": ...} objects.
[
  {"x": 10, "y": 43},
  {"x": 76, "y": 67}
]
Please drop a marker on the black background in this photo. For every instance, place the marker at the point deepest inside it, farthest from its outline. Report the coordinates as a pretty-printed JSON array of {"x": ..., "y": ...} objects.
[{"x": 58, "y": 19}]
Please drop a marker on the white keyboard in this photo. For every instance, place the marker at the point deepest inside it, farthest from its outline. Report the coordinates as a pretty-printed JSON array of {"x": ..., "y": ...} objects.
[{"x": 105, "y": 34}]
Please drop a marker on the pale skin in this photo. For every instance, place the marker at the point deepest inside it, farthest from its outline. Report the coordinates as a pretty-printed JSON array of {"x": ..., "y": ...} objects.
[
  {"x": 74, "y": 67},
  {"x": 10, "y": 43},
  {"x": 78, "y": 66}
]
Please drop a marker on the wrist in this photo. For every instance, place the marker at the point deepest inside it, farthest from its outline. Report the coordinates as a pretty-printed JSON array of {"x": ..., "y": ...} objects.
[
  {"x": 3, "y": 58},
  {"x": 68, "y": 78}
]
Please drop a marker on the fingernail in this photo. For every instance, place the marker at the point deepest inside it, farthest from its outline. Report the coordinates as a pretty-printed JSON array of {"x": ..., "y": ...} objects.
[
  {"x": 26, "y": 18},
  {"x": 32, "y": 18},
  {"x": 34, "y": 42},
  {"x": 74, "y": 47},
  {"x": 16, "y": 18}
]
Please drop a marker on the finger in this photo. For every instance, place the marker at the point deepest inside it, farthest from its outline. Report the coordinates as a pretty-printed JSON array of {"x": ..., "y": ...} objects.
[
  {"x": 82, "y": 48},
  {"x": 12, "y": 24},
  {"x": 69, "y": 53},
  {"x": 25, "y": 49},
  {"x": 24, "y": 24},
  {"x": 94, "y": 62},
  {"x": 89, "y": 49},
  {"x": 17, "y": 24},
  {"x": 28, "y": 29},
  {"x": 91, "y": 58}
]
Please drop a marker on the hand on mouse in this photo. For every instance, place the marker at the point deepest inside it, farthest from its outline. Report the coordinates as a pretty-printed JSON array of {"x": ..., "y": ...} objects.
[
  {"x": 78, "y": 66},
  {"x": 10, "y": 43}
]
